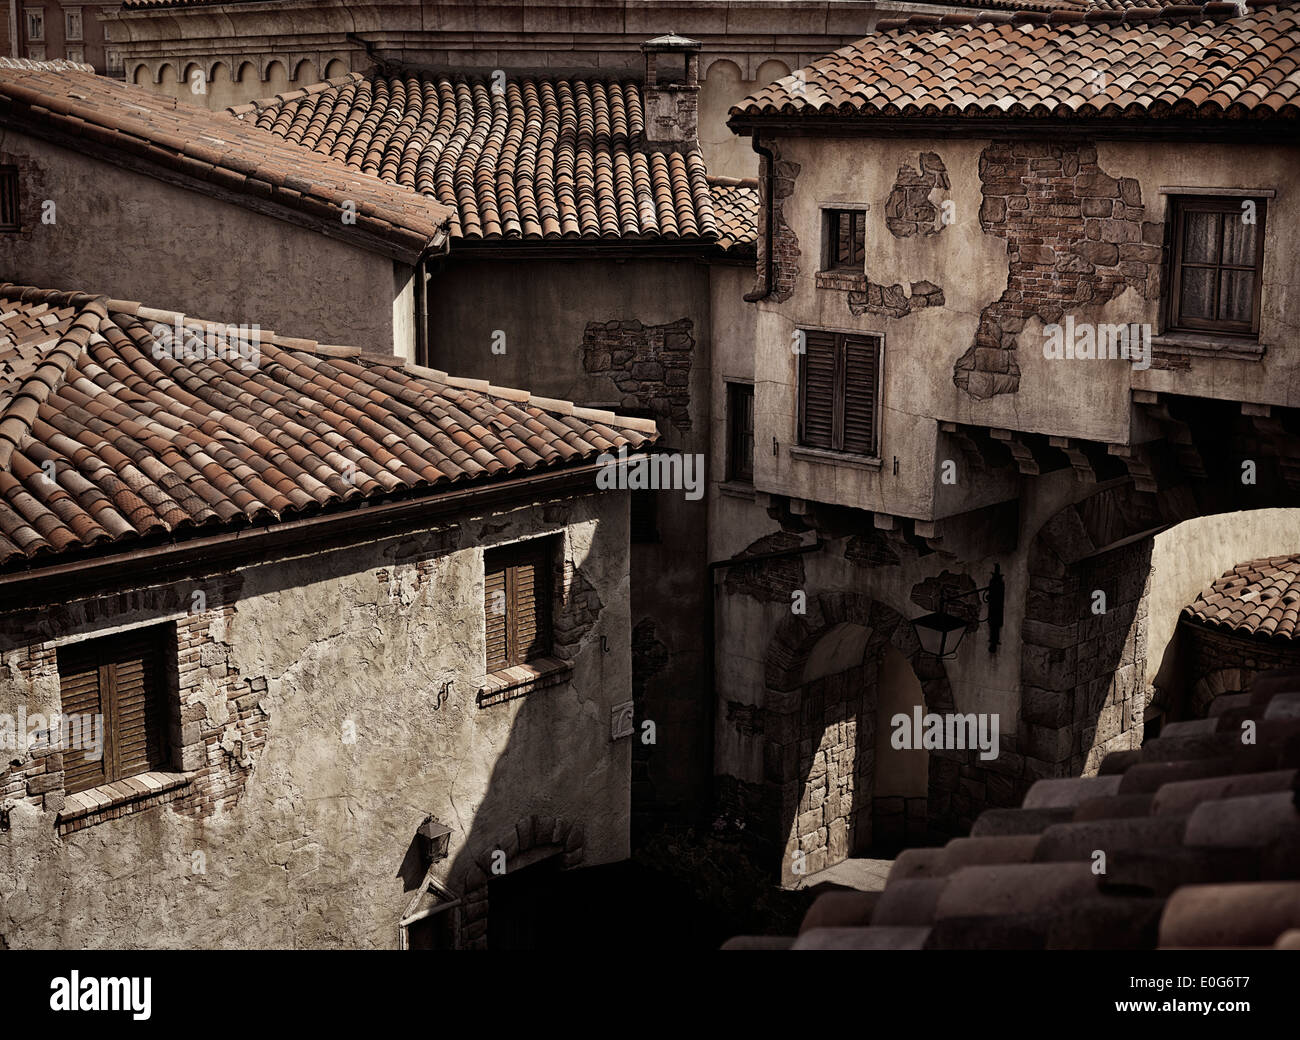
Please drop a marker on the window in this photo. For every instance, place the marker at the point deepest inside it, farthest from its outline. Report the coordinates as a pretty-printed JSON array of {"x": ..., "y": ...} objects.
[
  {"x": 10, "y": 212},
  {"x": 72, "y": 23},
  {"x": 846, "y": 237},
  {"x": 77, "y": 54},
  {"x": 114, "y": 59},
  {"x": 517, "y": 603},
  {"x": 740, "y": 432},
  {"x": 838, "y": 383},
  {"x": 1215, "y": 262},
  {"x": 35, "y": 25},
  {"x": 120, "y": 679}
]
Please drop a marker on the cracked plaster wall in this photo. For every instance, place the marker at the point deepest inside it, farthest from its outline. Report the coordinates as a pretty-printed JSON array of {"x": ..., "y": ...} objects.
[{"x": 309, "y": 854}]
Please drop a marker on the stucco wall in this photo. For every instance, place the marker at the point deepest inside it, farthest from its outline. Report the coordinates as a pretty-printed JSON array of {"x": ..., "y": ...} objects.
[
  {"x": 967, "y": 259},
  {"x": 135, "y": 238},
  {"x": 309, "y": 853}
]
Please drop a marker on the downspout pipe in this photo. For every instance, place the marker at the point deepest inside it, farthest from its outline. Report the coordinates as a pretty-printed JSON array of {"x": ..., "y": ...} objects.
[{"x": 765, "y": 287}]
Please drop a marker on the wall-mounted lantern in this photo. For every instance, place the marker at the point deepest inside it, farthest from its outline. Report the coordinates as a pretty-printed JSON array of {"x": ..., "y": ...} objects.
[
  {"x": 941, "y": 633},
  {"x": 434, "y": 839}
]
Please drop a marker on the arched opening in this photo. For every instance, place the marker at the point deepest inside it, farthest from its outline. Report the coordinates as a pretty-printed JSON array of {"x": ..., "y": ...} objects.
[
  {"x": 304, "y": 73},
  {"x": 276, "y": 80},
  {"x": 837, "y": 786},
  {"x": 337, "y": 67}
]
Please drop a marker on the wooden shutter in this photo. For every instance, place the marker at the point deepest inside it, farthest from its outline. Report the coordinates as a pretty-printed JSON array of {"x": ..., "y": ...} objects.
[
  {"x": 79, "y": 679},
  {"x": 139, "y": 727},
  {"x": 817, "y": 400},
  {"x": 495, "y": 597},
  {"x": 10, "y": 217},
  {"x": 119, "y": 678},
  {"x": 860, "y": 356},
  {"x": 523, "y": 574}
]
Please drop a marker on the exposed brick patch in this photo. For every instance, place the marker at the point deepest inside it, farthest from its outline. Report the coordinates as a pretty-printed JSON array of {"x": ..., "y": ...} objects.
[
  {"x": 785, "y": 243},
  {"x": 578, "y": 607},
  {"x": 771, "y": 581},
  {"x": 1075, "y": 236},
  {"x": 909, "y": 210},
  {"x": 650, "y": 364},
  {"x": 895, "y": 301}
]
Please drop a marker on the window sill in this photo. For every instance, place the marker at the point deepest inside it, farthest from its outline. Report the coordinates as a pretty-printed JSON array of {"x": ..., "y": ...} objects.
[
  {"x": 737, "y": 489},
  {"x": 1197, "y": 344},
  {"x": 833, "y": 458},
  {"x": 523, "y": 679},
  {"x": 121, "y": 798},
  {"x": 849, "y": 280}
]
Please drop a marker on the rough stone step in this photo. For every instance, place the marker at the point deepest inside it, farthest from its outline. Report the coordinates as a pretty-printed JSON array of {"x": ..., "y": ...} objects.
[
  {"x": 1283, "y": 706},
  {"x": 1274, "y": 681},
  {"x": 1251, "y": 821},
  {"x": 1114, "y": 808},
  {"x": 1058, "y": 794},
  {"x": 914, "y": 863},
  {"x": 1078, "y": 841},
  {"x": 863, "y": 939},
  {"x": 840, "y": 910},
  {"x": 908, "y": 903},
  {"x": 1217, "y": 916},
  {"x": 1013, "y": 932},
  {"x": 758, "y": 942},
  {"x": 1110, "y": 922},
  {"x": 1159, "y": 872},
  {"x": 1269, "y": 733},
  {"x": 1014, "y": 888},
  {"x": 994, "y": 823},
  {"x": 1185, "y": 795},
  {"x": 1288, "y": 940}
]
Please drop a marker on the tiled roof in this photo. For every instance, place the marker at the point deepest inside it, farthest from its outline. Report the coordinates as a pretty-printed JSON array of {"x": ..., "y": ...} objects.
[
  {"x": 126, "y": 123},
  {"x": 145, "y": 446},
  {"x": 1257, "y": 598},
  {"x": 735, "y": 205},
  {"x": 1202, "y": 840},
  {"x": 539, "y": 158},
  {"x": 1180, "y": 61},
  {"x": 52, "y": 65}
]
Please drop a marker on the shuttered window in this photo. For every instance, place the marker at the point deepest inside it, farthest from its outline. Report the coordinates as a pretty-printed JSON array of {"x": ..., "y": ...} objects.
[
  {"x": 838, "y": 382},
  {"x": 517, "y": 604},
  {"x": 846, "y": 237},
  {"x": 740, "y": 432},
  {"x": 10, "y": 217},
  {"x": 120, "y": 678}
]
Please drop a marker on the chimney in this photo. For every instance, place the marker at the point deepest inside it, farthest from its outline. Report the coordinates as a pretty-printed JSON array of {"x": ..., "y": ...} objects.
[{"x": 672, "y": 90}]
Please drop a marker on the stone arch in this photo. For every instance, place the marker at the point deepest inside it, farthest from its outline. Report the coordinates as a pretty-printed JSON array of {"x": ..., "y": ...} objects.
[
  {"x": 336, "y": 67},
  {"x": 803, "y": 699},
  {"x": 141, "y": 75},
  {"x": 1215, "y": 684},
  {"x": 224, "y": 66},
  {"x": 241, "y": 74},
  {"x": 532, "y": 839},
  {"x": 158, "y": 72},
  {"x": 276, "y": 76},
  {"x": 310, "y": 76}
]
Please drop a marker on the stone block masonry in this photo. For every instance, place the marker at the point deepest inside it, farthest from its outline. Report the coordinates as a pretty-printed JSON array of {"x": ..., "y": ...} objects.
[
  {"x": 1075, "y": 236},
  {"x": 650, "y": 364}
]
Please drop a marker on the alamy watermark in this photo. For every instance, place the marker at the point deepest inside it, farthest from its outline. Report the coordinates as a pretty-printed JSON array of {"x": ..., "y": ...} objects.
[
  {"x": 658, "y": 472},
  {"x": 55, "y": 732},
  {"x": 945, "y": 732},
  {"x": 234, "y": 343},
  {"x": 1087, "y": 342}
]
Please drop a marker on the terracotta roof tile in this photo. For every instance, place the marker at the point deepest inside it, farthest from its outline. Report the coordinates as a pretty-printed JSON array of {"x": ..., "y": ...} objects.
[
  {"x": 112, "y": 120},
  {"x": 1204, "y": 62},
  {"x": 735, "y": 205},
  {"x": 527, "y": 158},
  {"x": 141, "y": 443},
  {"x": 1259, "y": 598}
]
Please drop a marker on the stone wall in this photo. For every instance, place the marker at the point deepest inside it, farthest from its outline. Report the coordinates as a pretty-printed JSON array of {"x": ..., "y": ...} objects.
[{"x": 650, "y": 364}]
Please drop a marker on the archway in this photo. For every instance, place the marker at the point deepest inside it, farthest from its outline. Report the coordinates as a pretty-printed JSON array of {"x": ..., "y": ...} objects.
[{"x": 822, "y": 724}]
